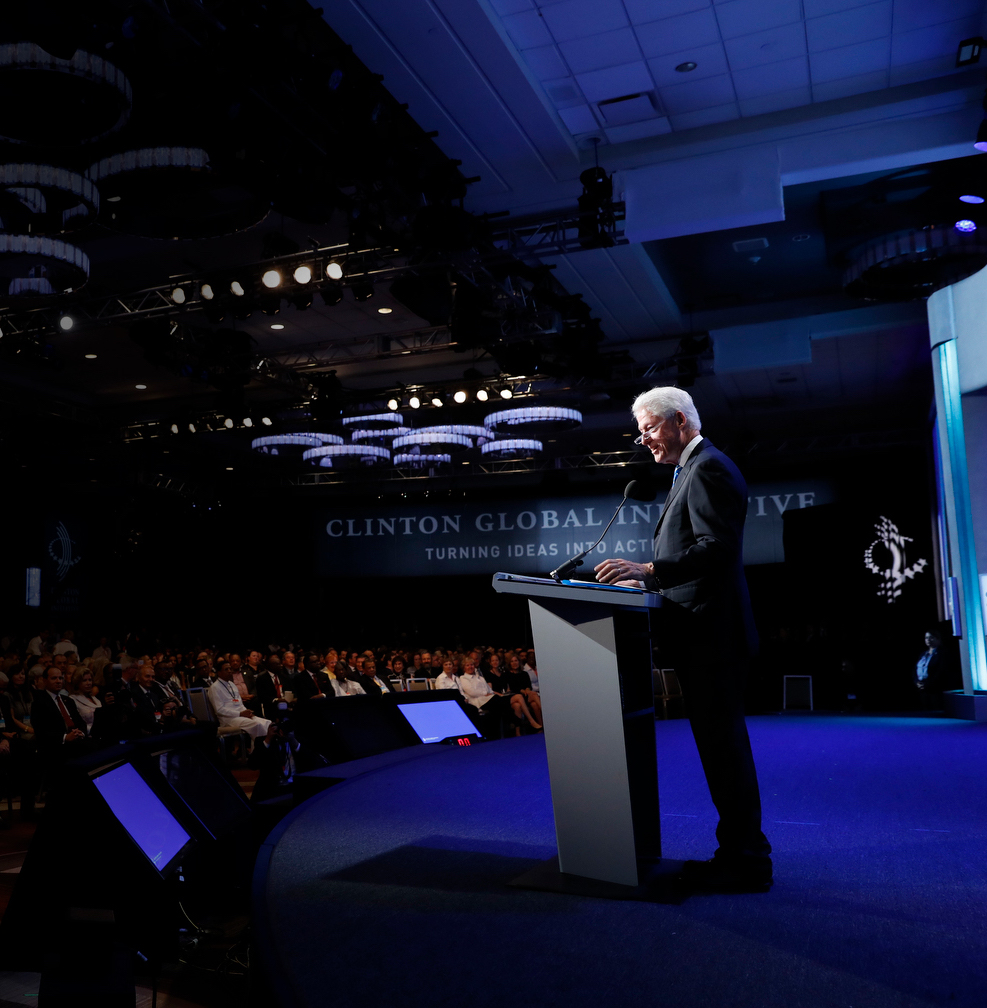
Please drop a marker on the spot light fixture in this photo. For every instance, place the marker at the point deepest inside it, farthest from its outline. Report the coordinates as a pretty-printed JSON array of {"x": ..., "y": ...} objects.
[
  {"x": 334, "y": 271},
  {"x": 436, "y": 401},
  {"x": 331, "y": 294},
  {"x": 266, "y": 421},
  {"x": 303, "y": 275},
  {"x": 247, "y": 422},
  {"x": 237, "y": 288},
  {"x": 66, "y": 322},
  {"x": 228, "y": 422},
  {"x": 482, "y": 395},
  {"x": 460, "y": 396},
  {"x": 206, "y": 292},
  {"x": 271, "y": 279},
  {"x": 363, "y": 291},
  {"x": 506, "y": 393},
  {"x": 191, "y": 428},
  {"x": 392, "y": 404},
  {"x": 90, "y": 356},
  {"x": 414, "y": 402},
  {"x": 174, "y": 428},
  {"x": 178, "y": 295}
]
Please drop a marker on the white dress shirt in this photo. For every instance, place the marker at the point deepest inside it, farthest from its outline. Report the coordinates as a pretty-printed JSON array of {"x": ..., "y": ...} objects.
[
  {"x": 444, "y": 681},
  {"x": 347, "y": 688},
  {"x": 225, "y": 699},
  {"x": 689, "y": 449},
  {"x": 475, "y": 688}
]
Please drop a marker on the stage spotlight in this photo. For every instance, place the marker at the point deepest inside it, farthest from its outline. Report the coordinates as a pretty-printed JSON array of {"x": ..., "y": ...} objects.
[
  {"x": 384, "y": 311},
  {"x": 965, "y": 225},
  {"x": 277, "y": 325},
  {"x": 392, "y": 404},
  {"x": 66, "y": 322},
  {"x": 266, "y": 421},
  {"x": 482, "y": 395},
  {"x": 363, "y": 291},
  {"x": 971, "y": 199},
  {"x": 174, "y": 428},
  {"x": 237, "y": 288},
  {"x": 191, "y": 428},
  {"x": 334, "y": 271},
  {"x": 301, "y": 299},
  {"x": 506, "y": 393},
  {"x": 141, "y": 387},
  {"x": 436, "y": 401},
  {"x": 247, "y": 422},
  {"x": 178, "y": 295},
  {"x": 460, "y": 396},
  {"x": 269, "y": 304},
  {"x": 228, "y": 422},
  {"x": 303, "y": 275},
  {"x": 272, "y": 279},
  {"x": 206, "y": 292},
  {"x": 331, "y": 294},
  {"x": 90, "y": 356},
  {"x": 414, "y": 402}
]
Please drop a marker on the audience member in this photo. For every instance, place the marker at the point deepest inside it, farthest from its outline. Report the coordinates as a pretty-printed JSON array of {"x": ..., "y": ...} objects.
[
  {"x": 146, "y": 701},
  {"x": 102, "y": 650},
  {"x": 229, "y": 707},
  {"x": 58, "y": 726},
  {"x": 82, "y": 691},
  {"x": 66, "y": 643},
  {"x": 343, "y": 685},
  {"x": 371, "y": 683},
  {"x": 448, "y": 679}
]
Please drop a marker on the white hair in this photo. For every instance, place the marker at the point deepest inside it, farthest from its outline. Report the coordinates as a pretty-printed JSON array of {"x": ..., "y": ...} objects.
[{"x": 665, "y": 400}]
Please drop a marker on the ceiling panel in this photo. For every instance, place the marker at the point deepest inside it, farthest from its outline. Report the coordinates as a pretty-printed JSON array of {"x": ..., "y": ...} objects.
[{"x": 753, "y": 51}]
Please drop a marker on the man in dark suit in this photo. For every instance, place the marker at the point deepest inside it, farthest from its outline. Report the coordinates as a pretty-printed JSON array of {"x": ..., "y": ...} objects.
[
  {"x": 58, "y": 727},
  {"x": 146, "y": 701},
  {"x": 269, "y": 690},
  {"x": 311, "y": 685},
  {"x": 706, "y": 626}
]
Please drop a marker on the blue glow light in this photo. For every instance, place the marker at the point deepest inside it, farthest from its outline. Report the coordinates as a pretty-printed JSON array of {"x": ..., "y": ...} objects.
[
  {"x": 965, "y": 225},
  {"x": 971, "y": 199}
]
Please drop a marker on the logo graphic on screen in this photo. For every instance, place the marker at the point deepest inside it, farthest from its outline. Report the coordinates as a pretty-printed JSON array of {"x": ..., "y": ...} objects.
[
  {"x": 60, "y": 550},
  {"x": 434, "y": 722},
  {"x": 886, "y": 558}
]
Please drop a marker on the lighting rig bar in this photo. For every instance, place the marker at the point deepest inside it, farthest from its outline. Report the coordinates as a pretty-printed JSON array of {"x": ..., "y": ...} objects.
[{"x": 558, "y": 233}]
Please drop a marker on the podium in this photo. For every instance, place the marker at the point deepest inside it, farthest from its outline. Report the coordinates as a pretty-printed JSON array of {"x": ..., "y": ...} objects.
[{"x": 593, "y": 644}]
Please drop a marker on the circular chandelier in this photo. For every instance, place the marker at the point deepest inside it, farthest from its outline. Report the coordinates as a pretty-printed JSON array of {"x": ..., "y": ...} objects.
[
  {"x": 55, "y": 102},
  {"x": 41, "y": 199},
  {"x": 421, "y": 461},
  {"x": 546, "y": 417},
  {"x": 174, "y": 192},
  {"x": 480, "y": 435},
  {"x": 334, "y": 456},
  {"x": 514, "y": 448},
  {"x": 421, "y": 439},
  {"x": 269, "y": 443},
  {"x": 375, "y": 421},
  {"x": 378, "y": 436},
  {"x": 37, "y": 267}
]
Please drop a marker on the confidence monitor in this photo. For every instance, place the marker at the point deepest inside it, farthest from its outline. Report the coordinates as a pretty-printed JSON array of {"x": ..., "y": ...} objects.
[
  {"x": 155, "y": 831},
  {"x": 438, "y": 720}
]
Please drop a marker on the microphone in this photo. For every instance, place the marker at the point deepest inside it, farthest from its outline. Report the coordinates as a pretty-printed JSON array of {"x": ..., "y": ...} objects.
[{"x": 635, "y": 490}]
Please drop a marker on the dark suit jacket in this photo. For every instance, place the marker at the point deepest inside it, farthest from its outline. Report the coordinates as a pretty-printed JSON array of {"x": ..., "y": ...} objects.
[
  {"x": 267, "y": 693},
  {"x": 304, "y": 688},
  {"x": 47, "y": 721},
  {"x": 146, "y": 705},
  {"x": 698, "y": 560}
]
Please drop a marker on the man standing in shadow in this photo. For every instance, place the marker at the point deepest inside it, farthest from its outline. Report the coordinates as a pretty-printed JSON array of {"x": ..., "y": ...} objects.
[{"x": 706, "y": 628}]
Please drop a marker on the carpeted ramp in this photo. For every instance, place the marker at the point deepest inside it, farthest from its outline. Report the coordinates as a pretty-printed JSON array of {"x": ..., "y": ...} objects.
[{"x": 389, "y": 890}]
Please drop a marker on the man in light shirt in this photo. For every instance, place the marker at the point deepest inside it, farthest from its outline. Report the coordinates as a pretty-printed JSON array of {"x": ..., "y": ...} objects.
[
  {"x": 66, "y": 644},
  {"x": 229, "y": 707}
]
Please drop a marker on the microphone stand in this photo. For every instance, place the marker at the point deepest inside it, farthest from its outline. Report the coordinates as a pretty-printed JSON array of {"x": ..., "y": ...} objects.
[{"x": 565, "y": 569}]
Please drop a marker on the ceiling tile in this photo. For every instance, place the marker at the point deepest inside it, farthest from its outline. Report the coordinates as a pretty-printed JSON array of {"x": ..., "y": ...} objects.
[
  {"x": 627, "y": 79},
  {"x": 766, "y": 47},
  {"x": 563, "y": 92},
  {"x": 545, "y": 62},
  {"x": 677, "y": 33},
  {"x": 782, "y": 76},
  {"x": 710, "y": 61},
  {"x": 705, "y": 117},
  {"x": 794, "y": 98},
  {"x": 643, "y": 11},
  {"x": 858, "y": 25},
  {"x": 937, "y": 40},
  {"x": 860, "y": 84},
  {"x": 850, "y": 61},
  {"x": 909, "y": 14},
  {"x": 819, "y": 8},
  {"x": 698, "y": 94},
  {"x": 599, "y": 51},
  {"x": 505, "y": 7},
  {"x": 527, "y": 29},
  {"x": 741, "y": 17},
  {"x": 637, "y": 131},
  {"x": 580, "y": 18},
  {"x": 579, "y": 119}
]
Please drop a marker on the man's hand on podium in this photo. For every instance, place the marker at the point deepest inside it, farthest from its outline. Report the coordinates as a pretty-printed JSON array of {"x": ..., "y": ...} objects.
[{"x": 624, "y": 573}]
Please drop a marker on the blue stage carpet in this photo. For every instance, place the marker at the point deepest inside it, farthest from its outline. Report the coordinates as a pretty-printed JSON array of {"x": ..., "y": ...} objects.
[{"x": 388, "y": 891}]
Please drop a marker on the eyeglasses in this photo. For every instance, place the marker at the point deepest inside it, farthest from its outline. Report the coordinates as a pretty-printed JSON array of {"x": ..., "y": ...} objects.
[{"x": 648, "y": 432}]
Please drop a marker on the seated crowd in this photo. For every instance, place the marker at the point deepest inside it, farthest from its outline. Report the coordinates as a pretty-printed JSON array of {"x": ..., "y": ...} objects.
[{"x": 56, "y": 704}]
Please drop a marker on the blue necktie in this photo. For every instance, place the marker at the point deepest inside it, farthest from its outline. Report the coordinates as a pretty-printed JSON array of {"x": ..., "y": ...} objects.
[{"x": 675, "y": 475}]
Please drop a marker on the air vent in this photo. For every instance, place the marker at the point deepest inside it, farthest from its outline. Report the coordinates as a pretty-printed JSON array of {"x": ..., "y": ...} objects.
[
  {"x": 627, "y": 109},
  {"x": 750, "y": 245}
]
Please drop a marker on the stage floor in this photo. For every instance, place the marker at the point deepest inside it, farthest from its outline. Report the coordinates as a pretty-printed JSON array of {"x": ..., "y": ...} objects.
[{"x": 389, "y": 890}]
